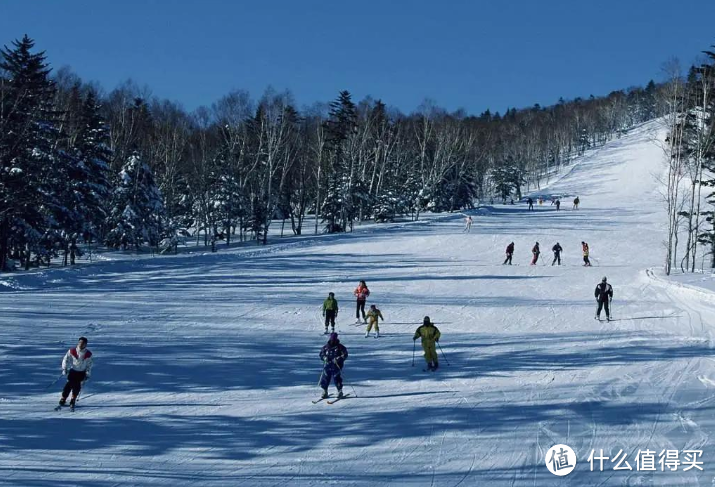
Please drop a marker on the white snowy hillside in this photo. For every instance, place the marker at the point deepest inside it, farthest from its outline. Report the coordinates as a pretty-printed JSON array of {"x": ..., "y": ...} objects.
[{"x": 206, "y": 366}]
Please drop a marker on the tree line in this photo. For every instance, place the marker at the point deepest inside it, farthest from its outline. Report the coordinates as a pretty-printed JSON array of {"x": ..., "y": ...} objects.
[
  {"x": 690, "y": 152},
  {"x": 126, "y": 170}
]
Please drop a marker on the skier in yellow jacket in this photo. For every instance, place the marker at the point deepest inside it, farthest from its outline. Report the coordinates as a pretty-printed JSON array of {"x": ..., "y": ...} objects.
[
  {"x": 373, "y": 315},
  {"x": 430, "y": 336}
]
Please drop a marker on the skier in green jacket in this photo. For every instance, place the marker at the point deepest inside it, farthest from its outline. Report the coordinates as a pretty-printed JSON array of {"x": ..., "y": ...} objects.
[{"x": 330, "y": 311}]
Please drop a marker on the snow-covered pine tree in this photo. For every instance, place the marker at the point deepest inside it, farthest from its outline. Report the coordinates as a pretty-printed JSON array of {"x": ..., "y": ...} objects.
[
  {"x": 136, "y": 209},
  {"x": 29, "y": 162},
  {"x": 91, "y": 173},
  {"x": 341, "y": 124}
]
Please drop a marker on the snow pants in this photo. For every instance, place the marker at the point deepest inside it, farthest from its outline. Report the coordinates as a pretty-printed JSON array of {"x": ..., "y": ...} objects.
[
  {"x": 430, "y": 349},
  {"x": 360, "y": 307},
  {"x": 330, "y": 318},
  {"x": 74, "y": 383},
  {"x": 535, "y": 259},
  {"x": 586, "y": 261},
  {"x": 372, "y": 321},
  {"x": 601, "y": 305},
  {"x": 557, "y": 258},
  {"x": 508, "y": 259},
  {"x": 331, "y": 371}
]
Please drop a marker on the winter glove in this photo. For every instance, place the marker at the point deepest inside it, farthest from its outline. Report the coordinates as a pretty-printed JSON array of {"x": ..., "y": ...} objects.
[
  {"x": 436, "y": 340},
  {"x": 64, "y": 371},
  {"x": 323, "y": 314}
]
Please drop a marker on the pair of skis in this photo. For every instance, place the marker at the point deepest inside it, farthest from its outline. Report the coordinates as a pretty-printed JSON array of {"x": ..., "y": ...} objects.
[
  {"x": 330, "y": 402},
  {"x": 71, "y": 406}
]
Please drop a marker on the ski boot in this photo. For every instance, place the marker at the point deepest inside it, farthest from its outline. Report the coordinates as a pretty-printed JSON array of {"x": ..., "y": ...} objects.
[
  {"x": 340, "y": 394},
  {"x": 367, "y": 334},
  {"x": 325, "y": 394}
]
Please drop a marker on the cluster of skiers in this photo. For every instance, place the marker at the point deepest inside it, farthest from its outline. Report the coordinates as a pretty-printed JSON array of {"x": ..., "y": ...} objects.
[
  {"x": 77, "y": 362},
  {"x": 556, "y": 249},
  {"x": 333, "y": 354},
  {"x": 554, "y": 202}
]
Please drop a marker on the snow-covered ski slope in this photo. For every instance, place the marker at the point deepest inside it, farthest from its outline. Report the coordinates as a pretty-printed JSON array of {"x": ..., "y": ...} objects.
[{"x": 206, "y": 365}]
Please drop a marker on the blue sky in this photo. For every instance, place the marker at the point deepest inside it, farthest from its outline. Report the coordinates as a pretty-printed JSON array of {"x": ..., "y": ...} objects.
[{"x": 462, "y": 54}]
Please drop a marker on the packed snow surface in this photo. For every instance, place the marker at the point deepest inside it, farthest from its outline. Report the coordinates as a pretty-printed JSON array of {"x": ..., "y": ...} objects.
[{"x": 206, "y": 364}]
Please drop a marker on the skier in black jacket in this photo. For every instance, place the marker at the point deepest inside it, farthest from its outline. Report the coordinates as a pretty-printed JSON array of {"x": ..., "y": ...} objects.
[
  {"x": 603, "y": 295},
  {"x": 557, "y": 253}
]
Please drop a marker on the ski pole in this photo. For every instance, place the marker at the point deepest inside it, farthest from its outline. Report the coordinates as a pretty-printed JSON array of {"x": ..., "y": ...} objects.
[
  {"x": 322, "y": 372},
  {"x": 55, "y": 381},
  {"x": 610, "y": 306},
  {"x": 443, "y": 355},
  {"x": 351, "y": 386},
  {"x": 414, "y": 345}
]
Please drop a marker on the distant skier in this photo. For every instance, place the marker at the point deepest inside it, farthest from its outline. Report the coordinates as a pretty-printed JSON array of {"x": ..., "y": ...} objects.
[
  {"x": 531, "y": 204},
  {"x": 541, "y": 200},
  {"x": 586, "y": 261},
  {"x": 77, "y": 366},
  {"x": 361, "y": 293},
  {"x": 372, "y": 317},
  {"x": 576, "y": 201},
  {"x": 468, "y": 224},
  {"x": 558, "y": 204},
  {"x": 330, "y": 311},
  {"x": 430, "y": 336},
  {"x": 557, "y": 253},
  {"x": 509, "y": 253},
  {"x": 333, "y": 355},
  {"x": 603, "y": 295},
  {"x": 536, "y": 252}
]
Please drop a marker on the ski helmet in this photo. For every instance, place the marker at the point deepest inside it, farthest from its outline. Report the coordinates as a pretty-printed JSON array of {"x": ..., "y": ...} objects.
[
  {"x": 426, "y": 321},
  {"x": 604, "y": 279},
  {"x": 332, "y": 295},
  {"x": 333, "y": 337}
]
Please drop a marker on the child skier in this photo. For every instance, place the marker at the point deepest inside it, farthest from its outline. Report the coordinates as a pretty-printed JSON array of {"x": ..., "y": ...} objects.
[
  {"x": 509, "y": 253},
  {"x": 373, "y": 315},
  {"x": 430, "y": 336},
  {"x": 361, "y": 293},
  {"x": 333, "y": 355},
  {"x": 535, "y": 250},
  {"x": 586, "y": 261},
  {"x": 330, "y": 311},
  {"x": 77, "y": 366},
  {"x": 468, "y": 224}
]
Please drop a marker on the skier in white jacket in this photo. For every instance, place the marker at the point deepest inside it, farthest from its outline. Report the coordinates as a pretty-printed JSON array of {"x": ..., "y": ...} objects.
[{"x": 77, "y": 366}]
